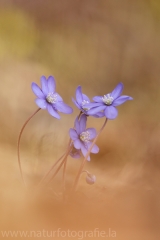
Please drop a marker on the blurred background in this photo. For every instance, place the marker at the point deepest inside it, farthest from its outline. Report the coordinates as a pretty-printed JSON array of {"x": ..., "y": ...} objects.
[{"x": 95, "y": 44}]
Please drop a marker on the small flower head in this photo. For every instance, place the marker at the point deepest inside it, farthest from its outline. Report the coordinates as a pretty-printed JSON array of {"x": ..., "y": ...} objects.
[
  {"x": 108, "y": 102},
  {"x": 81, "y": 103},
  {"x": 90, "y": 179},
  {"x": 48, "y": 98},
  {"x": 82, "y": 137}
]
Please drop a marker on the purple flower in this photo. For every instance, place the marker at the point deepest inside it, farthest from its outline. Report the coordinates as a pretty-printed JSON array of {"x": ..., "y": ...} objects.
[
  {"x": 82, "y": 137},
  {"x": 48, "y": 98},
  {"x": 75, "y": 153},
  {"x": 82, "y": 100},
  {"x": 108, "y": 102}
]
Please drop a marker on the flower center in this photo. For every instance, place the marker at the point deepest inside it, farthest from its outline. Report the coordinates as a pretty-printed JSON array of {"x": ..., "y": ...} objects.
[
  {"x": 85, "y": 136},
  {"x": 107, "y": 99},
  {"x": 51, "y": 98},
  {"x": 84, "y": 102}
]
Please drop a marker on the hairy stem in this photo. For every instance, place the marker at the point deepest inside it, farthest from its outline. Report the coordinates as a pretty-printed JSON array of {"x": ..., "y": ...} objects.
[
  {"x": 65, "y": 158},
  {"x": 53, "y": 166},
  {"x": 18, "y": 145},
  {"x": 65, "y": 164}
]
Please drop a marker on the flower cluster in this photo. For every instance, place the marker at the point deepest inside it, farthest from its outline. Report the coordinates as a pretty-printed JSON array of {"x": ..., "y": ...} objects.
[
  {"x": 102, "y": 105},
  {"x": 82, "y": 139}
]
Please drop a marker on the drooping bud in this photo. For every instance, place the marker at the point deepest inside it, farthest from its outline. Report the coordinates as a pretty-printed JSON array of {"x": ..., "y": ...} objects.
[{"x": 90, "y": 179}]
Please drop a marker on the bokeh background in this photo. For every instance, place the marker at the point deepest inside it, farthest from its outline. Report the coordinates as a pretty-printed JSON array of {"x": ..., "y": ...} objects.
[{"x": 95, "y": 44}]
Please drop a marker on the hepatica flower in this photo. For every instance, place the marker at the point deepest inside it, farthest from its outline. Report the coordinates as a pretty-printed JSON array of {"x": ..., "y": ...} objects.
[
  {"x": 48, "y": 98},
  {"x": 108, "y": 102},
  {"x": 82, "y": 137},
  {"x": 82, "y": 100}
]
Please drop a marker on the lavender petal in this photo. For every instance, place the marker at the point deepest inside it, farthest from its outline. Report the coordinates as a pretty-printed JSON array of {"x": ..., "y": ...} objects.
[
  {"x": 96, "y": 109},
  {"x": 111, "y": 112},
  {"x": 77, "y": 144},
  {"x": 79, "y": 96},
  {"x": 76, "y": 125},
  {"x": 77, "y": 105},
  {"x": 85, "y": 97},
  {"x": 51, "y": 84},
  {"x": 98, "y": 99},
  {"x": 59, "y": 98},
  {"x": 84, "y": 151},
  {"x": 121, "y": 100},
  {"x": 92, "y": 133},
  {"x": 82, "y": 123},
  {"x": 99, "y": 115},
  {"x": 41, "y": 103},
  {"x": 73, "y": 134},
  {"x": 52, "y": 112},
  {"x": 37, "y": 91},
  {"x": 44, "y": 85},
  {"x": 64, "y": 108},
  {"x": 93, "y": 105},
  {"x": 117, "y": 91}
]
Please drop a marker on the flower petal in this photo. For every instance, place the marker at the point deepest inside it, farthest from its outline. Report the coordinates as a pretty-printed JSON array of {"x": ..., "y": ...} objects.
[
  {"x": 84, "y": 151},
  {"x": 37, "y": 91},
  {"x": 41, "y": 103},
  {"x": 85, "y": 97},
  {"x": 51, "y": 84},
  {"x": 117, "y": 91},
  {"x": 52, "y": 112},
  {"x": 111, "y": 112},
  {"x": 73, "y": 134},
  {"x": 44, "y": 85},
  {"x": 59, "y": 98},
  {"x": 82, "y": 123},
  {"x": 77, "y": 105},
  {"x": 93, "y": 105},
  {"x": 77, "y": 144},
  {"x": 76, "y": 126},
  {"x": 96, "y": 109},
  {"x": 99, "y": 115},
  {"x": 121, "y": 100},
  {"x": 98, "y": 99},
  {"x": 64, "y": 108},
  {"x": 92, "y": 133},
  {"x": 95, "y": 148},
  {"x": 79, "y": 96}
]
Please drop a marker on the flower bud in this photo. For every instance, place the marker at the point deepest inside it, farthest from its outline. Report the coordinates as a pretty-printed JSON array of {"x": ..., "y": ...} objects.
[{"x": 90, "y": 179}]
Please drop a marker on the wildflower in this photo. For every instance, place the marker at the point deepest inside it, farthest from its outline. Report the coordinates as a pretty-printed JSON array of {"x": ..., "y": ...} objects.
[
  {"x": 48, "y": 98},
  {"x": 108, "y": 102},
  {"x": 82, "y": 137},
  {"x": 82, "y": 100}
]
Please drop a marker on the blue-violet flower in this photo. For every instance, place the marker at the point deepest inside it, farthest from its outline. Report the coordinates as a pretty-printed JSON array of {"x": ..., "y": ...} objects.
[
  {"x": 108, "y": 102},
  {"x": 82, "y": 100},
  {"x": 48, "y": 98},
  {"x": 82, "y": 137}
]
